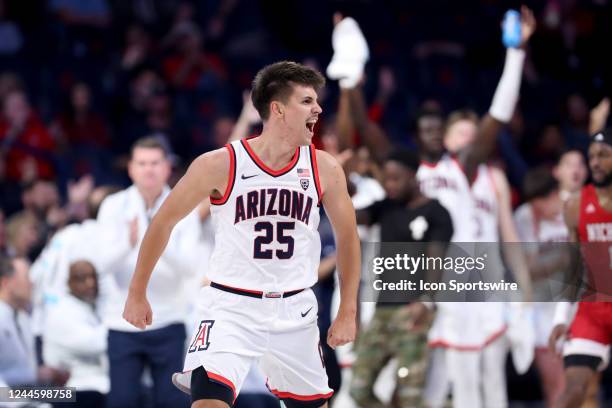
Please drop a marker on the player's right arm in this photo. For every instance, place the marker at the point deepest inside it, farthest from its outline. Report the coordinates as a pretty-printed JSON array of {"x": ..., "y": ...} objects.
[
  {"x": 207, "y": 175},
  {"x": 571, "y": 214},
  {"x": 341, "y": 213},
  {"x": 504, "y": 100},
  {"x": 373, "y": 136}
]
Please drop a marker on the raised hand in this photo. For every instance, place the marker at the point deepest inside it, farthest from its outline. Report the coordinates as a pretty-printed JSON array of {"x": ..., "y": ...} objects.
[
  {"x": 599, "y": 116},
  {"x": 249, "y": 113},
  {"x": 78, "y": 191},
  {"x": 528, "y": 24}
]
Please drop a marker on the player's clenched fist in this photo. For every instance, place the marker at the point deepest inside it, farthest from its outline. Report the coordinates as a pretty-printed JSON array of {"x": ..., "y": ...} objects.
[
  {"x": 342, "y": 330},
  {"x": 137, "y": 311}
]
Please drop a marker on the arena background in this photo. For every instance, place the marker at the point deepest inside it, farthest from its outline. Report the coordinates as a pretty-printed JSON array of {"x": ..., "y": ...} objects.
[{"x": 131, "y": 60}]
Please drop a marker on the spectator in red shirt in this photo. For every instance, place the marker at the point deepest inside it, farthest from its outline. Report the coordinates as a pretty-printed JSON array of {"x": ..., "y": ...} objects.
[
  {"x": 26, "y": 147},
  {"x": 79, "y": 124}
]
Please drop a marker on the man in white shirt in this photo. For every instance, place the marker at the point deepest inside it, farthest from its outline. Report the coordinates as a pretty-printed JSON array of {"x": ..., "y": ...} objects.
[
  {"x": 86, "y": 240},
  {"x": 17, "y": 362},
  {"x": 126, "y": 215},
  {"x": 17, "y": 358},
  {"x": 74, "y": 337}
]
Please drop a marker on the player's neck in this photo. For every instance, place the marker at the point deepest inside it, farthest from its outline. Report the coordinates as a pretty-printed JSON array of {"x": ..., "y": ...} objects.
[
  {"x": 604, "y": 196},
  {"x": 431, "y": 157},
  {"x": 274, "y": 150},
  {"x": 416, "y": 200}
]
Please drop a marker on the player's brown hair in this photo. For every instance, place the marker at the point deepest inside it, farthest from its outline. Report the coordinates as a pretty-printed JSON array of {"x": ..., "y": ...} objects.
[
  {"x": 462, "y": 114},
  {"x": 275, "y": 82},
  {"x": 539, "y": 182}
]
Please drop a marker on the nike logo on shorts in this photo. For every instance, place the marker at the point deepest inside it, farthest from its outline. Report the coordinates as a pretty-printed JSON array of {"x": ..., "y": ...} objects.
[
  {"x": 306, "y": 312},
  {"x": 248, "y": 177}
]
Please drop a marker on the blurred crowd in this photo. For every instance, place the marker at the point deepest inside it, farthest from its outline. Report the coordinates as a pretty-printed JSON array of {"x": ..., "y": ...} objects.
[{"x": 99, "y": 96}]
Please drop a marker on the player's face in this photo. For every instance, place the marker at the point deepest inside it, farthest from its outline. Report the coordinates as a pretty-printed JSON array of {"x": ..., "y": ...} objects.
[
  {"x": 430, "y": 135},
  {"x": 83, "y": 282},
  {"x": 300, "y": 114},
  {"x": 149, "y": 169},
  {"x": 459, "y": 135},
  {"x": 571, "y": 171},
  {"x": 400, "y": 182},
  {"x": 600, "y": 162}
]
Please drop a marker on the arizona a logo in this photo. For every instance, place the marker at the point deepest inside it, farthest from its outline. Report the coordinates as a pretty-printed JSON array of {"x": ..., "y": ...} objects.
[{"x": 201, "y": 341}]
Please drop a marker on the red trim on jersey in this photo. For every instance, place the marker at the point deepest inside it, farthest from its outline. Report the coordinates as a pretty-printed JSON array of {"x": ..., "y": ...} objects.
[
  {"x": 222, "y": 380},
  {"x": 263, "y": 166},
  {"x": 283, "y": 394},
  {"x": 315, "y": 169},
  {"x": 489, "y": 340},
  {"x": 231, "y": 179},
  {"x": 429, "y": 164}
]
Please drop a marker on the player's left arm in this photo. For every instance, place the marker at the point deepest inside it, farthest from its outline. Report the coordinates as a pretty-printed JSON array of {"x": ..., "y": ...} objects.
[
  {"x": 504, "y": 100},
  {"x": 512, "y": 249},
  {"x": 341, "y": 214}
]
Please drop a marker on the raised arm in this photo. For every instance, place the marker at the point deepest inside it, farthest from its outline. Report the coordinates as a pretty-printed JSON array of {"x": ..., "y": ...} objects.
[
  {"x": 248, "y": 118},
  {"x": 191, "y": 190},
  {"x": 345, "y": 128},
  {"x": 599, "y": 116},
  {"x": 373, "y": 136},
  {"x": 504, "y": 100},
  {"x": 341, "y": 213}
]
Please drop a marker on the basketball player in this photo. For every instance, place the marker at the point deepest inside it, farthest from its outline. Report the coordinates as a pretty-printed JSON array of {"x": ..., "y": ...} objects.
[
  {"x": 471, "y": 193},
  {"x": 539, "y": 222},
  {"x": 469, "y": 341},
  {"x": 265, "y": 194},
  {"x": 588, "y": 218},
  {"x": 571, "y": 172},
  {"x": 406, "y": 215}
]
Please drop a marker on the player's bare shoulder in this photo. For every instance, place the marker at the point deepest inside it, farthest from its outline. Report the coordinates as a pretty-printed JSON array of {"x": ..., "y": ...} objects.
[
  {"x": 213, "y": 169},
  {"x": 330, "y": 171}
]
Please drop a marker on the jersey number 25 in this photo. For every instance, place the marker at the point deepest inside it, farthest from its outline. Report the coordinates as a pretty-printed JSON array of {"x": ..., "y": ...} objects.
[{"x": 268, "y": 237}]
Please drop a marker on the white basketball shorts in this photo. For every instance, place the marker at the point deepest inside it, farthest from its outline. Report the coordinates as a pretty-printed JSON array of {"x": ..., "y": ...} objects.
[{"x": 279, "y": 333}]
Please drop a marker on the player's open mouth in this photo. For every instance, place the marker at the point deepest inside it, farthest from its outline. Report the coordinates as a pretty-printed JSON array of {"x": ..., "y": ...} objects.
[{"x": 310, "y": 125}]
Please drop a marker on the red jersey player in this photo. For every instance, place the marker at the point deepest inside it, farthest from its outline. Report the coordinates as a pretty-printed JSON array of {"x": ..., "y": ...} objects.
[{"x": 589, "y": 219}]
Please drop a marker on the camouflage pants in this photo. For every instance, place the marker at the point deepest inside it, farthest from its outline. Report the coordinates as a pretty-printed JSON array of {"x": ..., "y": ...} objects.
[{"x": 385, "y": 338}]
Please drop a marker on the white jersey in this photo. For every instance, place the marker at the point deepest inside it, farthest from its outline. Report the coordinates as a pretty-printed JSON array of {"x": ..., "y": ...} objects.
[
  {"x": 266, "y": 223},
  {"x": 533, "y": 230},
  {"x": 474, "y": 211},
  {"x": 446, "y": 182},
  {"x": 485, "y": 205}
]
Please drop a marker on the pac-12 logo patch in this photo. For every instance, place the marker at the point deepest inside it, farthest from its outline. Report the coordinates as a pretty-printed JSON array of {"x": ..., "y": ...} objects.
[
  {"x": 304, "y": 183},
  {"x": 201, "y": 341}
]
